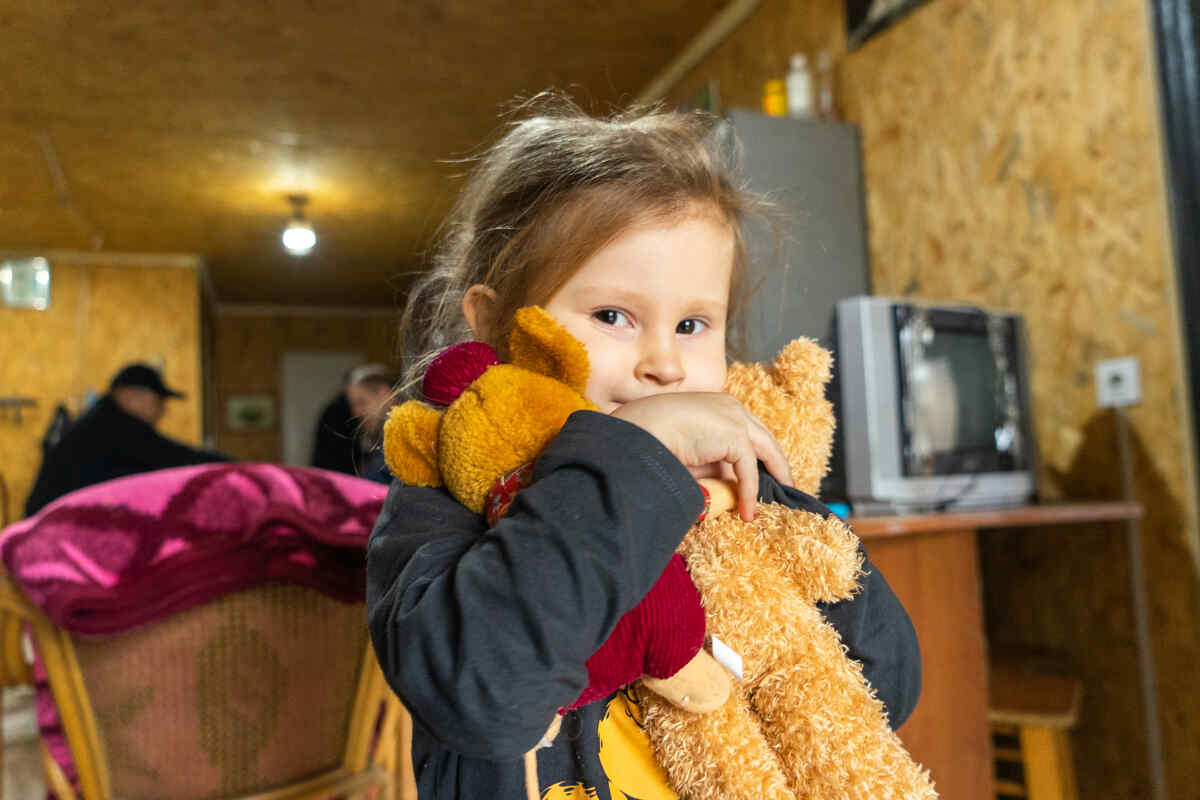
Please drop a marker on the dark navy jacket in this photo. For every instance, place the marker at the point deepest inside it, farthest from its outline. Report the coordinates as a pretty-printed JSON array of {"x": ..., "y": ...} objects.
[{"x": 106, "y": 443}]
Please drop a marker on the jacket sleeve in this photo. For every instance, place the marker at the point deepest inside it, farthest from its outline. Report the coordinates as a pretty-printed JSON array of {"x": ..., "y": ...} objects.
[
  {"x": 484, "y": 634},
  {"x": 873, "y": 624},
  {"x": 58, "y": 474},
  {"x": 162, "y": 452}
]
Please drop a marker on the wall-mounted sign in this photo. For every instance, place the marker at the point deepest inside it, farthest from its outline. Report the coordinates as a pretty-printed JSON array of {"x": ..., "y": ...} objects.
[
  {"x": 25, "y": 283},
  {"x": 250, "y": 412}
]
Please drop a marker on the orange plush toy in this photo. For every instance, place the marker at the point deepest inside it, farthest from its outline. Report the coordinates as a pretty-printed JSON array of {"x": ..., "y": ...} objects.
[{"x": 801, "y": 722}]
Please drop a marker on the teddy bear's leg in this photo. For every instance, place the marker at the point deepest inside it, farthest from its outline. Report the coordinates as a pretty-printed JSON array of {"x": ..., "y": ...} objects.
[
  {"x": 721, "y": 755},
  {"x": 831, "y": 733}
]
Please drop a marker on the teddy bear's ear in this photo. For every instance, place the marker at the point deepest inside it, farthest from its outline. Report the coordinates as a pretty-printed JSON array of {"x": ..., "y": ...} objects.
[
  {"x": 410, "y": 438},
  {"x": 803, "y": 367},
  {"x": 540, "y": 344}
]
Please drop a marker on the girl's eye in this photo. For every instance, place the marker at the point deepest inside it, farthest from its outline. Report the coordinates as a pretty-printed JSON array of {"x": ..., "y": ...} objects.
[
  {"x": 690, "y": 327},
  {"x": 610, "y": 316}
]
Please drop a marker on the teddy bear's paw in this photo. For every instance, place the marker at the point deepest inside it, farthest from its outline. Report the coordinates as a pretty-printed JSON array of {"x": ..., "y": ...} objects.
[
  {"x": 718, "y": 756},
  {"x": 702, "y": 685},
  {"x": 819, "y": 555}
]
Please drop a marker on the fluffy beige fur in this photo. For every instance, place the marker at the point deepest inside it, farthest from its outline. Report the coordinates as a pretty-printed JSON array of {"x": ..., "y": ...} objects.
[{"x": 803, "y": 723}]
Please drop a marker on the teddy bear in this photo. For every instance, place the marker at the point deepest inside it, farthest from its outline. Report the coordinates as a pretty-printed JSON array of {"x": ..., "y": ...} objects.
[{"x": 801, "y": 722}]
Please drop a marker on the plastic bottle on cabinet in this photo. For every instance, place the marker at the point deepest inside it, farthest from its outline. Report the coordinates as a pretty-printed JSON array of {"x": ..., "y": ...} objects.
[
  {"x": 799, "y": 88},
  {"x": 824, "y": 82},
  {"x": 774, "y": 100}
]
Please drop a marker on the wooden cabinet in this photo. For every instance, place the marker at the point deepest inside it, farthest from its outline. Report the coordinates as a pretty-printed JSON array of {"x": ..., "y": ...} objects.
[{"x": 931, "y": 562}]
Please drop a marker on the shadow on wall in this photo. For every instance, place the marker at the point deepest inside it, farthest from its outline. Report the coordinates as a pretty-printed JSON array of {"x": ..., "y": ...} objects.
[{"x": 1067, "y": 590}]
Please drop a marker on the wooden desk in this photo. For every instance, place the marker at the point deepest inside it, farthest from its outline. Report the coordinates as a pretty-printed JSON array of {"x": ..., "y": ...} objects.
[{"x": 931, "y": 562}]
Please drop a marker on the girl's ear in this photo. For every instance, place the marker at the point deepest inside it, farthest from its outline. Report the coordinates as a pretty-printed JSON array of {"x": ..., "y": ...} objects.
[
  {"x": 479, "y": 307},
  {"x": 410, "y": 438},
  {"x": 540, "y": 344}
]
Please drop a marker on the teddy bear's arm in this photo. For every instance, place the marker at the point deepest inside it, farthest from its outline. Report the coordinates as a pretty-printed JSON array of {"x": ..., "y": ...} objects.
[{"x": 872, "y": 624}]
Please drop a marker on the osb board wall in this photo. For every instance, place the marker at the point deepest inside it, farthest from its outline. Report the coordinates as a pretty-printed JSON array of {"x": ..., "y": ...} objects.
[
  {"x": 102, "y": 314},
  {"x": 761, "y": 47},
  {"x": 248, "y": 359},
  {"x": 1012, "y": 160}
]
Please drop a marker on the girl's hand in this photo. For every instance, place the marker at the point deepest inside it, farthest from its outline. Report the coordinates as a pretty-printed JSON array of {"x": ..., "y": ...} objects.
[{"x": 702, "y": 429}]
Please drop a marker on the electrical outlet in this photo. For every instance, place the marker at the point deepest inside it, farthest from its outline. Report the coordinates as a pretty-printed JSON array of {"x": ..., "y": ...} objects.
[{"x": 1118, "y": 382}]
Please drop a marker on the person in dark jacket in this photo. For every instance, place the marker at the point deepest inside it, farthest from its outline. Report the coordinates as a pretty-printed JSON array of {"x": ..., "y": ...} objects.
[
  {"x": 114, "y": 438},
  {"x": 335, "y": 441},
  {"x": 370, "y": 393}
]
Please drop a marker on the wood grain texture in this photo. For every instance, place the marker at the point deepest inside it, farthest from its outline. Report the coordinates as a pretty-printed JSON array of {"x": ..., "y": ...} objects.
[
  {"x": 1012, "y": 159},
  {"x": 936, "y": 578},
  {"x": 1057, "y": 513},
  {"x": 102, "y": 314},
  {"x": 248, "y": 357},
  {"x": 185, "y": 126}
]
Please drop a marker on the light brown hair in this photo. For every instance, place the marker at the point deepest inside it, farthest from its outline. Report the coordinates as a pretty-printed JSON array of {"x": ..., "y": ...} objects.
[{"x": 555, "y": 188}]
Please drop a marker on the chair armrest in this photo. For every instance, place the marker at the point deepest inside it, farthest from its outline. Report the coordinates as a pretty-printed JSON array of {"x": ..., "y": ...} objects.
[{"x": 13, "y": 601}]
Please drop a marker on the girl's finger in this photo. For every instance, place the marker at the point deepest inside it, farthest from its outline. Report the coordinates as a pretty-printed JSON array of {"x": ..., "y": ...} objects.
[
  {"x": 745, "y": 468},
  {"x": 769, "y": 452}
]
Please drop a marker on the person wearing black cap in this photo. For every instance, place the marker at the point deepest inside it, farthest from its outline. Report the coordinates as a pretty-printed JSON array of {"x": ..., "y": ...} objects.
[{"x": 114, "y": 438}]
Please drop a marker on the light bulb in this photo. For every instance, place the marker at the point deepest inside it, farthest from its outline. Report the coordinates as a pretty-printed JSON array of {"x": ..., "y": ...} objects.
[{"x": 299, "y": 237}]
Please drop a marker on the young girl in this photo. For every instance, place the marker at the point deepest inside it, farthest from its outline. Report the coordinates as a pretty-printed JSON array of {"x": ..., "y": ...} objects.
[{"x": 627, "y": 231}]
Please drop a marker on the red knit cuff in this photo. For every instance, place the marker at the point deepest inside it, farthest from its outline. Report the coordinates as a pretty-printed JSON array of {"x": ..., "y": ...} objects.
[{"x": 657, "y": 637}]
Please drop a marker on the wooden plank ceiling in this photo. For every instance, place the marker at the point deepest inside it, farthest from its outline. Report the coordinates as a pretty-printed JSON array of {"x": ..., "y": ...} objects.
[{"x": 163, "y": 126}]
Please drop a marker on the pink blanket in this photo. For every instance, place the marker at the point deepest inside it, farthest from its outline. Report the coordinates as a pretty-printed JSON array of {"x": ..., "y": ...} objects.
[{"x": 127, "y": 552}]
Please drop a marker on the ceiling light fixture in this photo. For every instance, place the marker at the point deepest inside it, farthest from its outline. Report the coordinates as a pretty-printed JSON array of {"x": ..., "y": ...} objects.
[{"x": 299, "y": 238}]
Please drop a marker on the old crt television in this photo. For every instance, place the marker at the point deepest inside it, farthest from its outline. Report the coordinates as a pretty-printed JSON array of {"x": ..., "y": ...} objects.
[{"x": 932, "y": 404}]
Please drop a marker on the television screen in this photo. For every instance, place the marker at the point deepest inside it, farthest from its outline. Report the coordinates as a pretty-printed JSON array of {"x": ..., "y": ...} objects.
[
  {"x": 959, "y": 407},
  {"x": 951, "y": 391}
]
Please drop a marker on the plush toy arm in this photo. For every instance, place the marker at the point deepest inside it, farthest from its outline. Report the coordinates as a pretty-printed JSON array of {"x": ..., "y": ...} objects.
[
  {"x": 410, "y": 443},
  {"x": 661, "y": 639},
  {"x": 658, "y": 636}
]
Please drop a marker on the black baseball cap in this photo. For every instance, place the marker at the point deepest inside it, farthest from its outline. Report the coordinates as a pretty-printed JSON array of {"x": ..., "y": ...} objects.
[{"x": 145, "y": 376}]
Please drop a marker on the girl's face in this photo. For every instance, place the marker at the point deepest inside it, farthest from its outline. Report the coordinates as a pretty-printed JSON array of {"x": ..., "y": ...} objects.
[{"x": 650, "y": 308}]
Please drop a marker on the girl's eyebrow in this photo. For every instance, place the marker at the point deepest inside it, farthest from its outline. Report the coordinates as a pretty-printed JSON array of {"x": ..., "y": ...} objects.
[
  {"x": 711, "y": 307},
  {"x": 610, "y": 293}
]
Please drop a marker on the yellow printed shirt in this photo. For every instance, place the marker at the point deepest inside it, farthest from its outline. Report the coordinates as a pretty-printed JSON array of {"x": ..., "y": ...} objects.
[{"x": 602, "y": 752}]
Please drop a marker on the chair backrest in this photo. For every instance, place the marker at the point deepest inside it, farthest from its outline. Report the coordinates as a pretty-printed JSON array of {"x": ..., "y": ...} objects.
[
  {"x": 258, "y": 690},
  {"x": 249, "y": 692}
]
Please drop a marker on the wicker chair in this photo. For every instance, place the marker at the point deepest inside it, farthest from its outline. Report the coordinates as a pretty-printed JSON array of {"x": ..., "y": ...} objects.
[{"x": 268, "y": 694}]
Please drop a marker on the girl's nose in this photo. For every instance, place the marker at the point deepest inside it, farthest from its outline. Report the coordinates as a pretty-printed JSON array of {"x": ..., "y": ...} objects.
[{"x": 660, "y": 362}]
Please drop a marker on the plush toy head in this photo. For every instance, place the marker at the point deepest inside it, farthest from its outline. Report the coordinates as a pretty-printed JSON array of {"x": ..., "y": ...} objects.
[
  {"x": 788, "y": 395},
  {"x": 499, "y": 417}
]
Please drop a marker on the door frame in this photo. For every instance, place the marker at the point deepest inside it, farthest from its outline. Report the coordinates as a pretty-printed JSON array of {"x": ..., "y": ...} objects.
[{"x": 1175, "y": 26}]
